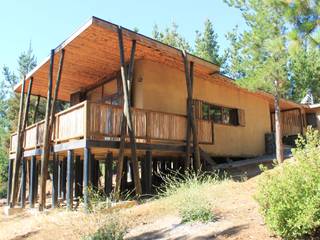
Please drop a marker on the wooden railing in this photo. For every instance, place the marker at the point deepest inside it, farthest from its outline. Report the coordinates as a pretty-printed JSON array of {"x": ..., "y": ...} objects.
[
  {"x": 98, "y": 121},
  {"x": 291, "y": 121}
]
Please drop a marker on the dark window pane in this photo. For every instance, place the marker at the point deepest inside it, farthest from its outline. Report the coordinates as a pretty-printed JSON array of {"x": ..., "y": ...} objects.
[
  {"x": 215, "y": 114},
  {"x": 205, "y": 111},
  {"x": 234, "y": 117}
]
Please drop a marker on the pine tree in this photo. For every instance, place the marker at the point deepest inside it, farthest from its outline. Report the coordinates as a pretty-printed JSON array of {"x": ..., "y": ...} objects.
[
  {"x": 206, "y": 44},
  {"x": 171, "y": 37}
]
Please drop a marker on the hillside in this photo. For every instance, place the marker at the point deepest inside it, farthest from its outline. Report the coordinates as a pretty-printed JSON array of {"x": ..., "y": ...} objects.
[{"x": 234, "y": 206}]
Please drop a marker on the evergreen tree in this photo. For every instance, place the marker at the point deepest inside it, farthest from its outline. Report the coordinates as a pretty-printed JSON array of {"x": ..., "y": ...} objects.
[
  {"x": 9, "y": 107},
  {"x": 171, "y": 37},
  {"x": 206, "y": 44}
]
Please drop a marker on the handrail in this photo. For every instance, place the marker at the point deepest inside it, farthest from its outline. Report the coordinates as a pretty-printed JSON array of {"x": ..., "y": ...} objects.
[{"x": 101, "y": 120}]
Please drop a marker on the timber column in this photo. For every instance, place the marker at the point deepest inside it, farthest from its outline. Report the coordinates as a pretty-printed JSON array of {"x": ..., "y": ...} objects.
[{"x": 191, "y": 122}]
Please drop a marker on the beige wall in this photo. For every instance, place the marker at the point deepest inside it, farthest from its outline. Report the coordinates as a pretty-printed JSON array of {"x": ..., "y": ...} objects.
[{"x": 161, "y": 88}]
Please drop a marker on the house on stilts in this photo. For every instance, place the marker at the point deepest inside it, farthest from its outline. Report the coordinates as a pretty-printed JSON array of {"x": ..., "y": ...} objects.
[{"x": 137, "y": 107}]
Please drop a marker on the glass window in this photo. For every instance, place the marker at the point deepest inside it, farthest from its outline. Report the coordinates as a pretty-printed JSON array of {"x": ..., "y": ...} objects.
[
  {"x": 215, "y": 114},
  {"x": 220, "y": 114},
  {"x": 205, "y": 111}
]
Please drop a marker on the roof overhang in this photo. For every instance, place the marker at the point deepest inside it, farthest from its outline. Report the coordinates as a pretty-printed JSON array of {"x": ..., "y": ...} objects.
[{"x": 92, "y": 54}]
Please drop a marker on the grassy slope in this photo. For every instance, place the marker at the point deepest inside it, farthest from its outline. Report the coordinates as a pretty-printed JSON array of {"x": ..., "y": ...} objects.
[{"x": 232, "y": 202}]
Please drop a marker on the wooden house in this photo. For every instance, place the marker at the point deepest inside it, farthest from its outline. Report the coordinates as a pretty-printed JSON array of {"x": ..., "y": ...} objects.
[{"x": 106, "y": 67}]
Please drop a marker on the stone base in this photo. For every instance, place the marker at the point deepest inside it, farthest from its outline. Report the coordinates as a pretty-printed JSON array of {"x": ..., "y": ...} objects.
[{"x": 8, "y": 211}]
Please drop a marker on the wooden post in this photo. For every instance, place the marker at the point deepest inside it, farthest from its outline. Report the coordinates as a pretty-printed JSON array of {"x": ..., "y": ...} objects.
[
  {"x": 124, "y": 175},
  {"x": 59, "y": 178},
  {"x": 190, "y": 114},
  {"x": 23, "y": 182},
  {"x": 146, "y": 172},
  {"x": 17, "y": 160},
  {"x": 108, "y": 173},
  {"x": 64, "y": 179},
  {"x": 49, "y": 120},
  {"x": 32, "y": 182},
  {"x": 70, "y": 176},
  {"x": 46, "y": 139},
  {"x": 9, "y": 180},
  {"x": 127, "y": 117},
  {"x": 55, "y": 181},
  {"x": 77, "y": 177},
  {"x": 86, "y": 160},
  {"x": 36, "y": 187}
]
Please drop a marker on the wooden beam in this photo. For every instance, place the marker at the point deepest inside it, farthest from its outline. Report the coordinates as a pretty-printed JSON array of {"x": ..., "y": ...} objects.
[
  {"x": 23, "y": 182},
  {"x": 77, "y": 184},
  {"x": 146, "y": 172},
  {"x": 46, "y": 139},
  {"x": 70, "y": 178},
  {"x": 86, "y": 160},
  {"x": 49, "y": 120},
  {"x": 17, "y": 160},
  {"x": 64, "y": 179},
  {"x": 32, "y": 183},
  {"x": 55, "y": 180},
  {"x": 127, "y": 117},
  {"x": 108, "y": 173},
  {"x": 192, "y": 125},
  {"x": 10, "y": 166}
]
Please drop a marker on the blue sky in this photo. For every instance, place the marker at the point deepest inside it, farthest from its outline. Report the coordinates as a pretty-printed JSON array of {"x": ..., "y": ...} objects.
[{"x": 47, "y": 23}]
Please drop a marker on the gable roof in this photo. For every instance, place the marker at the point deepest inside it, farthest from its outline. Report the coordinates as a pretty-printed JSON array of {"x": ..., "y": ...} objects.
[{"x": 92, "y": 53}]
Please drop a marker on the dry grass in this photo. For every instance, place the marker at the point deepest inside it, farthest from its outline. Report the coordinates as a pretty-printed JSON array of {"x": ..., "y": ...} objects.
[{"x": 232, "y": 202}]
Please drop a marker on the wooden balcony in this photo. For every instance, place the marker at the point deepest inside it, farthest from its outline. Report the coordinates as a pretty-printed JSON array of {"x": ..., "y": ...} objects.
[{"x": 97, "y": 121}]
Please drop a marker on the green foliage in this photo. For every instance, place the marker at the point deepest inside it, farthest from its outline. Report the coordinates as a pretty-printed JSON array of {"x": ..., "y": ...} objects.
[
  {"x": 112, "y": 231},
  {"x": 251, "y": 61},
  {"x": 190, "y": 195},
  {"x": 305, "y": 72},
  {"x": 289, "y": 195},
  {"x": 171, "y": 37},
  {"x": 206, "y": 45}
]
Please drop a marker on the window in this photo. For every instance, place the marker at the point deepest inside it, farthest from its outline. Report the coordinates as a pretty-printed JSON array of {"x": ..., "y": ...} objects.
[
  {"x": 215, "y": 113},
  {"x": 223, "y": 115}
]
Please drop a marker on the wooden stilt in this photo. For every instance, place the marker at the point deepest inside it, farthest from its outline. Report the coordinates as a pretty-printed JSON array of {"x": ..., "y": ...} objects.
[
  {"x": 146, "y": 172},
  {"x": 126, "y": 83},
  {"x": 81, "y": 179},
  {"x": 70, "y": 176},
  {"x": 17, "y": 160},
  {"x": 77, "y": 177},
  {"x": 192, "y": 125},
  {"x": 86, "y": 160},
  {"x": 49, "y": 119},
  {"x": 124, "y": 175},
  {"x": 59, "y": 178},
  {"x": 9, "y": 189},
  {"x": 36, "y": 187},
  {"x": 64, "y": 179},
  {"x": 108, "y": 173},
  {"x": 55, "y": 181},
  {"x": 23, "y": 182},
  {"x": 32, "y": 182}
]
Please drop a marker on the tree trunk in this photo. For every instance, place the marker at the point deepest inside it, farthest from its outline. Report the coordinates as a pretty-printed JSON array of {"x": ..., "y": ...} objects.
[{"x": 278, "y": 132}]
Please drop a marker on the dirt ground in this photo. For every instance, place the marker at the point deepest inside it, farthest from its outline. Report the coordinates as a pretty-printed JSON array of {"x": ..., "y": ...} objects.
[{"x": 236, "y": 210}]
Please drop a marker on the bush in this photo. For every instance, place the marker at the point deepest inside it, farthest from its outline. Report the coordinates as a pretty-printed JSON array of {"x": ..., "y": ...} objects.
[
  {"x": 111, "y": 231},
  {"x": 189, "y": 194},
  {"x": 289, "y": 195}
]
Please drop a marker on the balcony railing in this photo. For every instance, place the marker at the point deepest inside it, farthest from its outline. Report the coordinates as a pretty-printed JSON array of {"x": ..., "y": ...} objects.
[{"x": 89, "y": 120}]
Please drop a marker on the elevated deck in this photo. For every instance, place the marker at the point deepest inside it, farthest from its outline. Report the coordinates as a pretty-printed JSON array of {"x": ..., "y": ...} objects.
[{"x": 97, "y": 125}]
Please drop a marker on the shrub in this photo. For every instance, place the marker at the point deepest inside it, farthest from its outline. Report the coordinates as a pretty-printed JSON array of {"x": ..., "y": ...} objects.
[
  {"x": 111, "y": 231},
  {"x": 289, "y": 195},
  {"x": 189, "y": 194}
]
